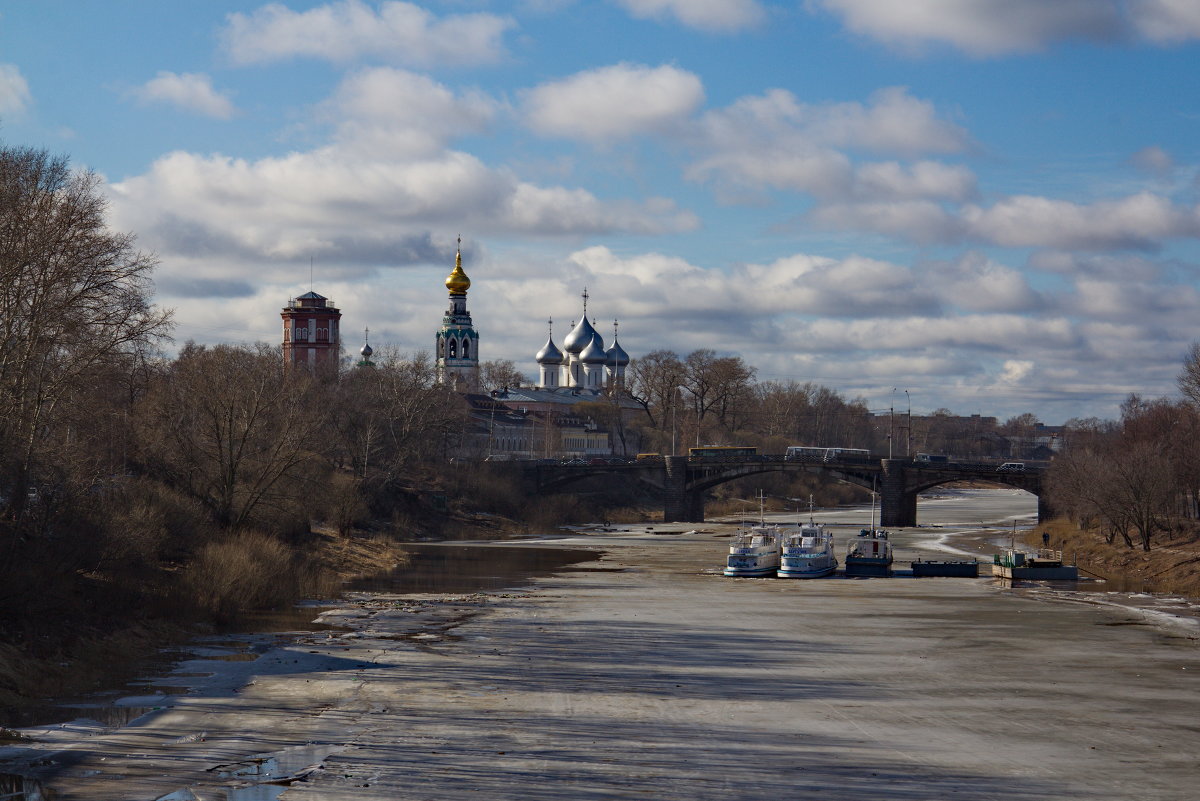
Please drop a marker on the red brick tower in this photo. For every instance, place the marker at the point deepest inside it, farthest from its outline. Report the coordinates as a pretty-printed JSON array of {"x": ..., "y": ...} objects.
[{"x": 310, "y": 332}]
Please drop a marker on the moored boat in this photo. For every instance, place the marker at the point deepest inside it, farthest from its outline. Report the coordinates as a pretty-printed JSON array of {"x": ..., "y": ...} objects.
[
  {"x": 1044, "y": 564},
  {"x": 807, "y": 550},
  {"x": 807, "y": 553},
  {"x": 754, "y": 552},
  {"x": 869, "y": 554}
]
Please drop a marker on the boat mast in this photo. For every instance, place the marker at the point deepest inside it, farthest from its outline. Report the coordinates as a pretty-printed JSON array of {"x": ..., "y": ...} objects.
[{"x": 872, "y": 506}]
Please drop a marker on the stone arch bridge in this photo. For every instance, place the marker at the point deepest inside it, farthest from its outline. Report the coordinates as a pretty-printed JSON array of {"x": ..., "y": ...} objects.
[{"x": 682, "y": 481}]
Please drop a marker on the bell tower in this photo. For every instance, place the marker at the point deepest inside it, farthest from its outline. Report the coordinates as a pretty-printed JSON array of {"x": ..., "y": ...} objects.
[{"x": 457, "y": 344}]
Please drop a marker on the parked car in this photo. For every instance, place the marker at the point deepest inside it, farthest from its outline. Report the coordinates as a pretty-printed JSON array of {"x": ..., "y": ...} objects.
[{"x": 1012, "y": 467}]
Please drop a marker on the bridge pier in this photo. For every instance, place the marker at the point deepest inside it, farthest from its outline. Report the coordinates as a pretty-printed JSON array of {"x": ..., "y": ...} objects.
[
  {"x": 897, "y": 506},
  {"x": 677, "y": 501},
  {"x": 680, "y": 505}
]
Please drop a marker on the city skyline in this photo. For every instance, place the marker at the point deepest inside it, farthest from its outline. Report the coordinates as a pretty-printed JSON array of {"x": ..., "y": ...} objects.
[{"x": 991, "y": 205}]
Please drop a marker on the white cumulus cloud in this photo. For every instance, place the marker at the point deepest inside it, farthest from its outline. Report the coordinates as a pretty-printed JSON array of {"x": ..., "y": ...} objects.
[
  {"x": 190, "y": 91},
  {"x": 335, "y": 203},
  {"x": 706, "y": 15},
  {"x": 14, "y": 89},
  {"x": 1136, "y": 221},
  {"x": 1167, "y": 21},
  {"x": 986, "y": 28},
  {"x": 892, "y": 121},
  {"x": 976, "y": 283},
  {"x": 775, "y": 141},
  {"x": 614, "y": 102},
  {"x": 925, "y": 179},
  {"x": 1142, "y": 221},
  {"x": 387, "y": 110},
  {"x": 921, "y": 221},
  {"x": 980, "y": 27},
  {"x": 344, "y": 31}
]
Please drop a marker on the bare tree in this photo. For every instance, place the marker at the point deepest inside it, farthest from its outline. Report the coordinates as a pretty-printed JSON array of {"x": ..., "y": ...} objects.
[
  {"x": 654, "y": 381},
  {"x": 781, "y": 407},
  {"x": 1189, "y": 377},
  {"x": 76, "y": 297},
  {"x": 733, "y": 382},
  {"x": 395, "y": 414},
  {"x": 500, "y": 374},
  {"x": 1143, "y": 487},
  {"x": 228, "y": 426},
  {"x": 1020, "y": 430},
  {"x": 1124, "y": 477}
]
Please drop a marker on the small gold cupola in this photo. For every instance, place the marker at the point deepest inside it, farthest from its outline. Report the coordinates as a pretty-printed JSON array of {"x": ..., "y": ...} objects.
[{"x": 457, "y": 282}]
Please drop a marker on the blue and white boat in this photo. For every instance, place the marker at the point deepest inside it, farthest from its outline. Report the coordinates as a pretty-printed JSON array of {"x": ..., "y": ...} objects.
[{"x": 807, "y": 551}]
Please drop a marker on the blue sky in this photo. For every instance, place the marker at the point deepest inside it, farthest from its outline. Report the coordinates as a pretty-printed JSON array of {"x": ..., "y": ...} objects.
[{"x": 991, "y": 204}]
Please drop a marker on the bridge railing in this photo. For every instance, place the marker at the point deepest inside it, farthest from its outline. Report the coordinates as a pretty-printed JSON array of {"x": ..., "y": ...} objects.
[{"x": 934, "y": 467}]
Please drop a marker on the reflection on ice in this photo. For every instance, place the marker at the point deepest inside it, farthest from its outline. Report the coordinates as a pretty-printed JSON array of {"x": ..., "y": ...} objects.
[{"x": 265, "y": 776}]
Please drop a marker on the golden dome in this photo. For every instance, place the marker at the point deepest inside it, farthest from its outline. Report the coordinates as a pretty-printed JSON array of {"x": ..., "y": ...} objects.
[{"x": 457, "y": 282}]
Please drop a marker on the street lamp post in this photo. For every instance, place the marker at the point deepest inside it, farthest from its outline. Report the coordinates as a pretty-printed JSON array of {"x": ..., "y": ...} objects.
[
  {"x": 891, "y": 422},
  {"x": 908, "y": 430},
  {"x": 674, "y": 416}
]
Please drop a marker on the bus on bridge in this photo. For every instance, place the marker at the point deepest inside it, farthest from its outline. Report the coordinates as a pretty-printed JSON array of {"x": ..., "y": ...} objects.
[
  {"x": 723, "y": 452},
  {"x": 801, "y": 453}
]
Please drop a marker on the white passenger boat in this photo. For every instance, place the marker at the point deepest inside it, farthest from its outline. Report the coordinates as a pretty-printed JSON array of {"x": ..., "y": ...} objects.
[
  {"x": 754, "y": 552},
  {"x": 869, "y": 554},
  {"x": 807, "y": 551}
]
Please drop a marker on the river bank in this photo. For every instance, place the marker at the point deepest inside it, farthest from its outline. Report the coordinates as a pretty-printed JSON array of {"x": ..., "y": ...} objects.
[
  {"x": 70, "y": 661},
  {"x": 1171, "y": 566},
  {"x": 643, "y": 673}
]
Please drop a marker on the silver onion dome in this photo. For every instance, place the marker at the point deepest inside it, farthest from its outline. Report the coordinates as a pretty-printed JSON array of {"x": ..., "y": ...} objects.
[
  {"x": 580, "y": 337},
  {"x": 616, "y": 355},
  {"x": 549, "y": 354},
  {"x": 594, "y": 352}
]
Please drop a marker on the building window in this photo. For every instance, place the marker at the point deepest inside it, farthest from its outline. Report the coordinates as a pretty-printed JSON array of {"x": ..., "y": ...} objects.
[
  {"x": 301, "y": 333},
  {"x": 466, "y": 349},
  {"x": 453, "y": 349}
]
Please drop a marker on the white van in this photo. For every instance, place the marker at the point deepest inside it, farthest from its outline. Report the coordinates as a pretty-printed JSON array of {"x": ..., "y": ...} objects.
[{"x": 1012, "y": 467}]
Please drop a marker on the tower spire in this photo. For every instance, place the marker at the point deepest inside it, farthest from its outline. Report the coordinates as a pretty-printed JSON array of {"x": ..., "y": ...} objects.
[{"x": 457, "y": 343}]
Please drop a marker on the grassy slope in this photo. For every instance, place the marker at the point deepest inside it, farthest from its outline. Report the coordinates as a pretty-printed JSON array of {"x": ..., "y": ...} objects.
[{"x": 1172, "y": 566}]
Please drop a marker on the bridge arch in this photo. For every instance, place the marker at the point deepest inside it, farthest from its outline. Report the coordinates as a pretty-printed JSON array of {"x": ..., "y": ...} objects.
[
  {"x": 561, "y": 480},
  {"x": 682, "y": 481},
  {"x": 864, "y": 480}
]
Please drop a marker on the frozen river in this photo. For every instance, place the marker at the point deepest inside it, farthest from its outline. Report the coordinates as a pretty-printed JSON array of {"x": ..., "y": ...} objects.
[{"x": 642, "y": 674}]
